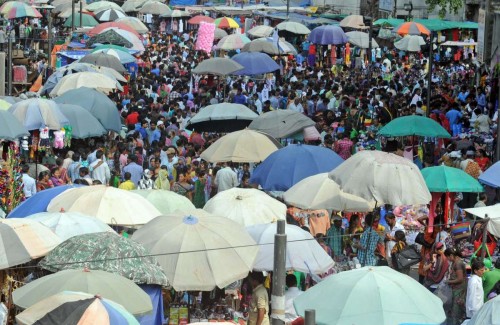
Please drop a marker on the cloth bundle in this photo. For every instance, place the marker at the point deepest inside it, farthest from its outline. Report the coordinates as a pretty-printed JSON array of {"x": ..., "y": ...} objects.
[{"x": 206, "y": 35}]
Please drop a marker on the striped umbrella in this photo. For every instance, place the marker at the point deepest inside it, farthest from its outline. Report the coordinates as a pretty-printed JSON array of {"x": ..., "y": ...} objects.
[
  {"x": 412, "y": 28},
  {"x": 233, "y": 42},
  {"x": 109, "y": 15},
  {"x": 226, "y": 22},
  {"x": 18, "y": 9}
]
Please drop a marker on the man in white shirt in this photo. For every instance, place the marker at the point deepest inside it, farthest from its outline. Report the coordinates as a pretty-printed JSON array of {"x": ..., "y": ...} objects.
[
  {"x": 296, "y": 106},
  {"x": 291, "y": 293},
  {"x": 475, "y": 293},
  {"x": 100, "y": 169},
  {"x": 226, "y": 178},
  {"x": 390, "y": 232},
  {"x": 29, "y": 183}
]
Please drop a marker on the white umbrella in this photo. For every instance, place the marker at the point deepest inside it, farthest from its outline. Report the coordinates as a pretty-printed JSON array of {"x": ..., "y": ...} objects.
[
  {"x": 133, "y": 5},
  {"x": 353, "y": 21},
  {"x": 361, "y": 39},
  {"x": 165, "y": 201},
  {"x": 410, "y": 43},
  {"x": 155, "y": 8},
  {"x": 303, "y": 253},
  {"x": 383, "y": 177},
  {"x": 491, "y": 211},
  {"x": 98, "y": 6},
  {"x": 246, "y": 206},
  {"x": 199, "y": 253},
  {"x": 36, "y": 113},
  {"x": 176, "y": 13},
  {"x": 92, "y": 80},
  {"x": 293, "y": 27},
  {"x": 260, "y": 31},
  {"x": 488, "y": 314},
  {"x": 134, "y": 23},
  {"x": 320, "y": 192}
]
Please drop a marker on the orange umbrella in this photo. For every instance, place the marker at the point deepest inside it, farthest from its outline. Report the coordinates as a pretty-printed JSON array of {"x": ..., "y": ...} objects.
[
  {"x": 196, "y": 20},
  {"x": 412, "y": 28}
]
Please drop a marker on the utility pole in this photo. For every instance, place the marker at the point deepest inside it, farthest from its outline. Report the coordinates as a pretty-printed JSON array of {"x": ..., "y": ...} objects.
[
  {"x": 81, "y": 15},
  {"x": 429, "y": 76},
  {"x": 9, "y": 64},
  {"x": 49, "y": 39},
  {"x": 72, "y": 16},
  {"x": 279, "y": 273}
]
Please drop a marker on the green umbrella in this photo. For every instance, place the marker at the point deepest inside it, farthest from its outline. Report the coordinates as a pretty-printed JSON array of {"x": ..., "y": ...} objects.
[
  {"x": 107, "y": 252},
  {"x": 109, "y": 37},
  {"x": 87, "y": 20},
  {"x": 449, "y": 179},
  {"x": 371, "y": 295},
  {"x": 413, "y": 125}
]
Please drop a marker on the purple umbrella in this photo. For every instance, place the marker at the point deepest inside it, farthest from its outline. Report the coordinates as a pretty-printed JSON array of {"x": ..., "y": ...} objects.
[
  {"x": 255, "y": 63},
  {"x": 328, "y": 34}
]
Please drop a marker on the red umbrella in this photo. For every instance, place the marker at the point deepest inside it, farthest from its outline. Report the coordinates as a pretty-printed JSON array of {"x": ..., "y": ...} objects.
[
  {"x": 196, "y": 20},
  {"x": 101, "y": 27}
]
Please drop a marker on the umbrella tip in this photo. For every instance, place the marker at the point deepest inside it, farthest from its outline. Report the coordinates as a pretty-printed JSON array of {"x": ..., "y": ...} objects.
[
  {"x": 239, "y": 197},
  {"x": 86, "y": 269},
  {"x": 62, "y": 210},
  {"x": 190, "y": 220},
  {"x": 98, "y": 296}
]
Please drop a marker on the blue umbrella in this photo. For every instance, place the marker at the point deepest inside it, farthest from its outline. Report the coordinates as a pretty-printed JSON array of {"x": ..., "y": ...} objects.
[
  {"x": 491, "y": 176},
  {"x": 255, "y": 63},
  {"x": 328, "y": 34},
  {"x": 38, "y": 202},
  {"x": 287, "y": 166}
]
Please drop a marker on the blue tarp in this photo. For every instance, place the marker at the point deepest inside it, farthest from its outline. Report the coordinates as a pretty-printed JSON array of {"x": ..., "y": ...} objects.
[
  {"x": 182, "y": 2},
  {"x": 491, "y": 176},
  {"x": 157, "y": 316}
]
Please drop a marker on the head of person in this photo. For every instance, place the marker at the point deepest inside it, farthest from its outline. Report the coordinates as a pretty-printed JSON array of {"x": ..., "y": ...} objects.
[
  {"x": 336, "y": 220},
  {"x": 291, "y": 280},
  {"x": 452, "y": 254},
  {"x": 390, "y": 218},
  {"x": 399, "y": 235},
  {"x": 439, "y": 248},
  {"x": 43, "y": 176},
  {"x": 477, "y": 267},
  {"x": 127, "y": 176},
  {"x": 99, "y": 153},
  {"x": 25, "y": 169},
  {"x": 56, "y": 172},
  {"x": 256, "y": 278},
  {"x": 83, "y": 171}
]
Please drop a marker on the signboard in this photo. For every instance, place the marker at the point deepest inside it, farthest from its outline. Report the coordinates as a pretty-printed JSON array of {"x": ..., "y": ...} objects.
[
  {"x": 480, "y": 35},
  {"x": 386, "y": 5}
]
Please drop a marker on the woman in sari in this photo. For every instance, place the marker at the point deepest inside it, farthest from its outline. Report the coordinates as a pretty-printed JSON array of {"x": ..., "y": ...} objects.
[
  {"x": 162, "y": 182},
  {"x": 458, "y": 283},
  {"x": 182, "y": 186},
  {"x": 436, "y": 267}
]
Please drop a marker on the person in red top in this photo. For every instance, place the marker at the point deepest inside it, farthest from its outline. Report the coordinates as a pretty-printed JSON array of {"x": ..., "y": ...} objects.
[
  {"x": 482, "y": 159},
  {"x": 132, "y": 118}
]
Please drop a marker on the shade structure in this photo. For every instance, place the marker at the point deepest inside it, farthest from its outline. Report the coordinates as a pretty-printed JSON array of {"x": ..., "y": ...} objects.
[
  {"x": 320, "y": 192},
  {"x": 241, "y": 146},
  {"x": 87, "y": 20},
  {"x": 166, "y": 201},
  {"x": 98, "y": 104},
  {"x": 291, "y": 164},
  {"x": 414, "y": 125},
  {"x": 219, "y": 33},
  {"x": 383, "y": 296},
  {"x": 361, "y": 39},
  {"x": 281, "y": 123},
  {"x": 196, "y": 20},
  {"x": 110, "y": 205},
  {"x": 133, "y": 5},
  {"x": 123, "y": 56},
  {"x": 410, "y": 43},
  {"x": 303, "y": 253},
  {"x": 328, "y": 35},
  {"x": 106, "y": 251},
  {"x": 109, "y": 15},
  {"x": 491, "y": 211},
  {"x": 92, "y": 80},
  {"x": 450, "y": 179},
  {"x": 99, "y": 6},
  {"x": 293, "y": 27},
  {"x": 36, "y": 113},
  {"x": 108, "y": 285},
  {"x": 176, "y": 13},
  {"x": 269, "y": 46},
  {"x": 255, "y": 63},
  {"x": 76, "y": 308},
  {"x": 135, "y": 23},
  {"x": 226, "y": 22},
  {"x": 260, "y": 31},
  {"x": 69, "y": 224},
  {"x": 10, "y": 127},
  {"x": 491, "y": 176},
  {"x": 203, "y": 245},
  {"x": 487, "y": 314},
  {"x": 383, "y": 177},
  {"x": 217, "y": 66},
  {"x": 155, "y": 8},
  {"x": 105, "y": 60},
  {"x": 233, "y": 42},
  {"x": 411, "y": 28},
  {"x": 246, "y": 206},
  {"x": 24, "y": 240},
  {"x": 223, "y": 117},
  {"x": 84, "y": 124},
  {"x": 18, "y": 9},
  {"x": 353, "y": 22}
]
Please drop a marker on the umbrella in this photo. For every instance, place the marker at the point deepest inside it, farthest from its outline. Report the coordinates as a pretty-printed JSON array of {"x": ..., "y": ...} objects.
[
  {"x": 487, "y": 314},
  {"x": 108, "y": 285},
  {"x": 223, "y": 117},
  {"x": 10, "y": 127},
  {"x": 108, "y": 204},
  {"x": 411, "y": 28},
  {"x": 115, "y": 47},
  {"x": 205, "y": 246},
  {"x": 166, "y": 201},
  {"x": 491, "y": 176},
  {"x": 130, "y": 37},
  {"x": 226, "y": 22},
  {"x": 241, "y": 146},
  {"x": 354, "y": 22},
  {"x": 261, "y": 31},
  {"x": 110, "y": 15},
  {"x": 217, "y": 66},
  {"x": 36, "y": 113},
  {"x": 383, "y": 177},
  {"x": 233, "y": 42},
  {"x": 122, "y": 56},
  {"x": 67, "y": 12},
  {"x": 219, "y": 33},
  {"x": 76, "y": 308},
  {"x": 320, "y": 192},
  {"x": 155, "y": 8},
  {"x": 24, "y": 240},
  {"x": 328, "y": 34},
  {"x": 303, "y": 253},
  {"x": 106, "y": 251},
  {"x": 491, "y": 211},
  {"x": 196, "y": 20},
  {"x": 69, "y": 224},
  {"x": 18, "y": 9},
  {"x": 246, "y": 206},
  {"x": 410, "y": 43},
  {"x": 96, "y": 103},
  {"x": 293, "y": 27},
  {"x": 361, "y": 39},
  {"x": 133, "y": 5},
  {"x": 99, "y": 6},
  {"x": 87, "y": 20},
  {"x": 255, "y": 63},
  {"x": 281, "y": 123},
  {"x": 105, "y": 60},
  {"x": 10, "y": 99},
  {"x": 269, "y": 46},
  {"x": 110, "y": 36},
  {"x": 135, "y": 23},
  {"x": 176, "y": 13},
  {"x": 382, "y": 295},
  {"x": 414, "y": 125},
  {"x": 74, "y": 67},
  {"x": 291, "y": 164},
  {"x": 450, "y": 179},
  {"x": 84, "y": 124},
  {"x": 112, "y": 24},
  {"x": 92, "y": 80}
]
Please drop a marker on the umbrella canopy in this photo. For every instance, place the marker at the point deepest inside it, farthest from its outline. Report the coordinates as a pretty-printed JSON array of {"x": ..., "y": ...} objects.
[
  {"x": 383, "y": 177},
  {"x": 246, "y": 206},
  {"x": 84, "y": 124},
  {"x": 11, "y": 99},
  {"x": 320, "y": 192},
  {"x": 108, "y": 204},
  {"x": 87, "y": 20},
  {"x": 110, "y": 15},
  {"x": 110, "y": 36},
  {"x": 108, "y": 285},
  {"x": 36, "y": 113},
  {"x": 226, "y": 22},
  {"x": 134, "y": 23},
  {"x": 291, "y": 164},
  {"x": 255, "y": 63},
  {"x": 281, "y": 123},
  {"x": 233, "y": 42},
  {"x": 450, "y": 179},
  {"x": 303, "y": 253},
  {"x": 106, "y": 251},
  {"x": 65, "y": 13},
  {"x": 99, "y": 6},
  {"x": 383, "y": 296},
  {"x": 166, "y": 201},
  {"x": 491, "y": 176},
  {"x": 260, "y": 31},
  {"x": 241, "y": 146},
  {"x": 55, "y": 77},
  {"x": 133, "y": 5},
  {"x": 113, "y": 24},
  {"x": 328, "y": 34},
  {"x": 354, "y": 22},
  {"x": 5, "y": 105},
  {"x": 361, "y": 39},
  {"x": 196, "y": 20},
  {"x": 203, "y": 245},
  {"x": 76, "y": 308},
  {"x": 92, "y": 80},
  {"x": 410, "y": 43},
  {"x": 414, "y": 125},
  {"x": 10, "y": 127},
  {"x": 293, "y": 27},
  {"x": 269, "y": 46},
  {"x": 487, "y": 314},
  {"x": 105, "y": 60},
  {"x": 217, "y": 66},
  {"x": 155, "y": 8},
  {"x": 18, "y": 9},
  {"x": 69, "y": 224},
  {"x": 223, "y": 117},
  {"x": 122, "y": 56},
  {"x": 412, "y": 28},
  {"x": 219, "y": 33},
  {"x": 176, "y": 13},
  {"x": 491, "y": 211}
]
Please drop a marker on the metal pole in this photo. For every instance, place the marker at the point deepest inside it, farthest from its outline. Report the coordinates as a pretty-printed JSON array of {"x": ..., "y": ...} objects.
[
  {"x": 9, "y": 65},
  {"x": 369, "y": 65},
  {"x": 49, "y": 39},
  {"x": 485, "y": 236},
  {"x": 287, "y": 9},
  {"x": 497, "y": 155},
  {"x": 81, "y": 15},
  {"x": 310, "y": 317},
  {"x": 429, "y": 77},
  {"x": 72, "y": 16},
  {"x": 2, "y": 73},
  {"x": 279, "y": 273}
]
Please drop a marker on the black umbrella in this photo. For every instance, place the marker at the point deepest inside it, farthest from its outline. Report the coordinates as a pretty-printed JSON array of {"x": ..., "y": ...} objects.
[
  {"x": 104, "y": 60},
  {"x": 109, "y": 37}
]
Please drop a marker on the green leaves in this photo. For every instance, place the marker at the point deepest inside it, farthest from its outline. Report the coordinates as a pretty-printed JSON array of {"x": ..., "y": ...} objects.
[{"x": 445, "y": 6}]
